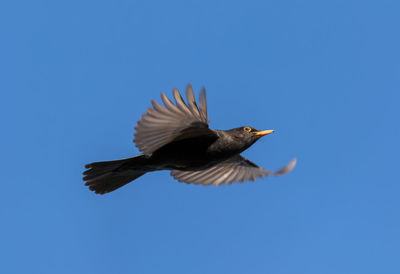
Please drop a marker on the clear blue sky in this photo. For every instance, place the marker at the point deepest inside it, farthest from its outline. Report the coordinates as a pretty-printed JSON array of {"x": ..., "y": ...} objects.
[{"x": 77, "y": 75}]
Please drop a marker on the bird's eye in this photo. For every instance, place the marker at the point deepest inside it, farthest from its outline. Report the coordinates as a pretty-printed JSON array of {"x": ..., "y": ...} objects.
[{"x": 247, "y": 129}]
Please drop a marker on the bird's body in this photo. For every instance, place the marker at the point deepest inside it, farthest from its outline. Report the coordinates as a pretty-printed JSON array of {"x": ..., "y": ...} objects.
[
  {"x": 177, "y": 138},
  {"x": 199, "y": 152},
  {"x": 191, "y": 153}
]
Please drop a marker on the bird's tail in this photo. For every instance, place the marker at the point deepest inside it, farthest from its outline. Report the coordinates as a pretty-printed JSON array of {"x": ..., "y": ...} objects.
[{"x": 104, "y": 177}]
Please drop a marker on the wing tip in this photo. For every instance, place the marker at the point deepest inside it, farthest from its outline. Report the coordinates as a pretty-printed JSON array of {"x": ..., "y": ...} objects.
[{"x": 286, "y": 169}]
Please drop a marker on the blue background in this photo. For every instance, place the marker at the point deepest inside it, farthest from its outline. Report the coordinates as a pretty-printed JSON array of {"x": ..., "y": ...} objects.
[{"x": 77, "y": 75}]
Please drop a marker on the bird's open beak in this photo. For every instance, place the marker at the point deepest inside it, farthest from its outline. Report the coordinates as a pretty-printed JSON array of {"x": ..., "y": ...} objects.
[{"x": 264, "y": 132}]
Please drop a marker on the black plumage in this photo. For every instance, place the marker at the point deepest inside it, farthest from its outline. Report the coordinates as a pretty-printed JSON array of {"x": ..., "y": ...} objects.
[{"x": 176, "y": 137}]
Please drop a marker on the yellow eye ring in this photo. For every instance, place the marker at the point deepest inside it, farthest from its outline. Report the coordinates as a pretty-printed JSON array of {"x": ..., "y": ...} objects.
[{"x": 247, "y": 129}]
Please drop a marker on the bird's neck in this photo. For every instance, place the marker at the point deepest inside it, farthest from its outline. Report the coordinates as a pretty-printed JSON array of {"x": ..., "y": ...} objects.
[{"x": 227, "y": 144}]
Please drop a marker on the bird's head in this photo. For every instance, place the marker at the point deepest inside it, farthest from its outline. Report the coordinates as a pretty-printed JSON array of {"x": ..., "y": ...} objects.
[
  {"x": 246, "y": 136},
  {"x": 250, "y": 133}
]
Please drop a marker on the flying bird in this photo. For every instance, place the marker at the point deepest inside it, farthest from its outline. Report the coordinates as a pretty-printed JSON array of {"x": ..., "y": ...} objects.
[{"x": 176, "y": 137}]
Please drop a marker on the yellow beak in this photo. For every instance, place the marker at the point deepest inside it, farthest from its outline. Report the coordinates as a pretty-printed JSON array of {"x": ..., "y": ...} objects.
[{"x": 264, "y": 132}]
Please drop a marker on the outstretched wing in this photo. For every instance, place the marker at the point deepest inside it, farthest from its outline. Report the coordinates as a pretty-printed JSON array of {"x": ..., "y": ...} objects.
[
  {"x": 235, "y": 169},
  {"x": 162, "y": 124}
]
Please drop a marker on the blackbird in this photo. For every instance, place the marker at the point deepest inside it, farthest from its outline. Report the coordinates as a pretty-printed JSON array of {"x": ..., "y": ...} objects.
[{"x": 176, "y": 137}]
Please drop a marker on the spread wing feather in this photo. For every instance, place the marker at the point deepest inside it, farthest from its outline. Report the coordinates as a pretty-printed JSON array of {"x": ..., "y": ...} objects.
[
  {"x": 235, "y": 169},
  {"x": 162, "y": 124}
]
